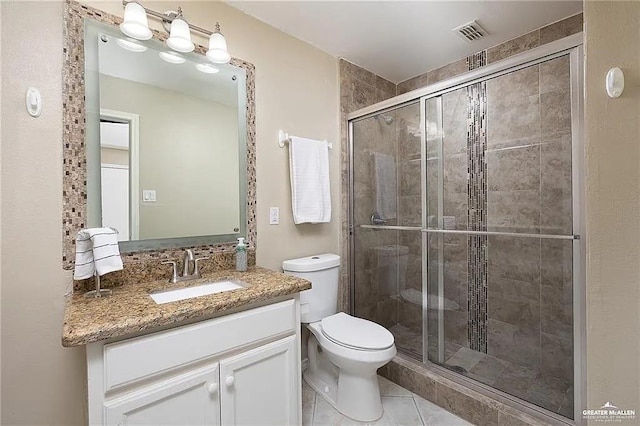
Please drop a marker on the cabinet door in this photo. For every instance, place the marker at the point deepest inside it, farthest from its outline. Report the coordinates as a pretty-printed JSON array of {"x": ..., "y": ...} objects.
[
  {"x": 261, "y": 386},
  {"x": 189, "y": 399}
]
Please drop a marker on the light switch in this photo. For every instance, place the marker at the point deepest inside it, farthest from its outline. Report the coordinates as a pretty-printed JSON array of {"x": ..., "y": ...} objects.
[
  {"x": 274, "y": 216},
  {"x": 149, "y": 195}
]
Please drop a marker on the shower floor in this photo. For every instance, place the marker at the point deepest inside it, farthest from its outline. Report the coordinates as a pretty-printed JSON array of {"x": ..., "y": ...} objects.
[
  {"x": 548, "y": 392},
  {"x": 407, "y": 341},
  {"x": 551, "y": 393}
]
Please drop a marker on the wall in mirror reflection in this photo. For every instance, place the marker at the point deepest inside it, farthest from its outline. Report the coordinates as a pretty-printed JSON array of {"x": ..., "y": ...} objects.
[{"x": 169, "y": 151}]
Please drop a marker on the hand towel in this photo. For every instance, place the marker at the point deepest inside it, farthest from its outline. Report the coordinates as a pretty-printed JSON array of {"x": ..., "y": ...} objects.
[
  {"x": 385, "y": 183},
  {"x": 309, "y": 166},
  {"x": 96, "y": 251}
]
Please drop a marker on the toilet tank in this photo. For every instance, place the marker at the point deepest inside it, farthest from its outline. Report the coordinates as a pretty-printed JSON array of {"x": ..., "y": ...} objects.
[{"x": 323, "y": 270}]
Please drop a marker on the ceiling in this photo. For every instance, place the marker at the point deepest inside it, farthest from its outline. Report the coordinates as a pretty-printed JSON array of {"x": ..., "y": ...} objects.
[{"x": 398, "y": 39}]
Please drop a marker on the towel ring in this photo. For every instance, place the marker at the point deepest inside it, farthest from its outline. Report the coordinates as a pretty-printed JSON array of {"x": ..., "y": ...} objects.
[{"x": 283, "y": 138}]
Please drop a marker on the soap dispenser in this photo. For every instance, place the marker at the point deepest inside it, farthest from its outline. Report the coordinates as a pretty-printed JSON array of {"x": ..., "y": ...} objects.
[{"x": 241, "y": 256}]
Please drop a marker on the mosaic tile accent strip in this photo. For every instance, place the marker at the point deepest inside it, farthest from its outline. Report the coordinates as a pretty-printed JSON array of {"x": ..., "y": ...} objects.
[
  {"x": 477, "y": 60},
  {"x": 74, "y": 192},
  {"x": 477, "y": 208}
]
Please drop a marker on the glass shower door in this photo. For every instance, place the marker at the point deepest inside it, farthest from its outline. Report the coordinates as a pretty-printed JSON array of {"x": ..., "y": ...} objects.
[
  {"x": 386, "y": 219},
  {"x": 499, "y": 238}
]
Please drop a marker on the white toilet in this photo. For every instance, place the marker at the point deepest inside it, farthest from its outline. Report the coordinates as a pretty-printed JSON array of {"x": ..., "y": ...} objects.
[{"x": 344, "y": 352}]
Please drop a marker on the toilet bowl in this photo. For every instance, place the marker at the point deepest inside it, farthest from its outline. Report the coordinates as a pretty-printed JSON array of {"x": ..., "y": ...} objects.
[
  {"x": 344, "y": 352},
  {"x": 354, "y": 348}
]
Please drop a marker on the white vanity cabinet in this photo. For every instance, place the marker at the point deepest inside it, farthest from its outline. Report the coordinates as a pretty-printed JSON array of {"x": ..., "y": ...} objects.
[
  {"x": 258, "y": 387},
  {"x": 190, "y": 399},
  {"x": 239, "y": 369}
]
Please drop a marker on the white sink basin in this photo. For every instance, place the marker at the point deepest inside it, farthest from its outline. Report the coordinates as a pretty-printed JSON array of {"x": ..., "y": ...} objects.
[{"x": 169, "y": 296}]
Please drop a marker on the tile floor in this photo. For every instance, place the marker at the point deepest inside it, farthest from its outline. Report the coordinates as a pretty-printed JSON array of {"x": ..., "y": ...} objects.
[{"x": 401, "y": 407}]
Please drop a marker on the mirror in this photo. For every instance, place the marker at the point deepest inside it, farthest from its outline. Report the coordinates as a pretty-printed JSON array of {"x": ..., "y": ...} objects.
[{"x": 165, "y": 143}]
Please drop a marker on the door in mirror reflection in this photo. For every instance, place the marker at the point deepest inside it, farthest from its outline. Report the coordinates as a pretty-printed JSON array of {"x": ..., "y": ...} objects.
[{"x": 115, "y": 178}]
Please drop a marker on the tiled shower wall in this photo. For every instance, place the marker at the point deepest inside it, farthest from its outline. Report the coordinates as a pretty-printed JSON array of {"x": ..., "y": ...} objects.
[
  {"x": 388, "y": 263},
  {"x": 527, "y": 186},
  {"x": 374, "y": 249},
  {"x": 529, "y": 190},
  {"x": 358, "y": 88},
  {"x": 410, "y": 213}
]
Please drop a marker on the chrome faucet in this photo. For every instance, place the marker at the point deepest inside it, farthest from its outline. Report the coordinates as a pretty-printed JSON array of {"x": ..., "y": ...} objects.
[{"x": 187, "y": 258}]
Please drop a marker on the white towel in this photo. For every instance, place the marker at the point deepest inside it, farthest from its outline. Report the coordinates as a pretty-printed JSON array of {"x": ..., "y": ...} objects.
[
  {"x": 96, "y": 250},
  {"x": 385, "y": 181},
  {"x": 309, "y": 165}
]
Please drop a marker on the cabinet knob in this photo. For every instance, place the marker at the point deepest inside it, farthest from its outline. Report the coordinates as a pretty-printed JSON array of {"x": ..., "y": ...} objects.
[
  {"x": 230, "y": 380},
  {"x": 212, "y": 388}
]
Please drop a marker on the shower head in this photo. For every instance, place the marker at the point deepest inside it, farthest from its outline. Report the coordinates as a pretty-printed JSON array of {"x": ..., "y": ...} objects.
[{"x": 387, "y": 119}]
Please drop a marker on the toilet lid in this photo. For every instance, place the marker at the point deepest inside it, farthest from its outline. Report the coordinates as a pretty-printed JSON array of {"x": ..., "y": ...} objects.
[{"x": 357, "y": 333}]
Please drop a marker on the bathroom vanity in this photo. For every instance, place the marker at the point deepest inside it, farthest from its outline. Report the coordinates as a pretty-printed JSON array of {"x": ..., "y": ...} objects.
[{"x": 227, "y": 358}]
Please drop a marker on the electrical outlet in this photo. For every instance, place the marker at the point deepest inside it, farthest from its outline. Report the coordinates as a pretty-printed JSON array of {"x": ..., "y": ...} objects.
[{"x": 274, "y": 216}]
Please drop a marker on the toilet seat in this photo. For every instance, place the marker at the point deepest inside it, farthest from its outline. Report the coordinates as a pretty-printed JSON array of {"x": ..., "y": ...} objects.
[{"x": 356, "y": 333}]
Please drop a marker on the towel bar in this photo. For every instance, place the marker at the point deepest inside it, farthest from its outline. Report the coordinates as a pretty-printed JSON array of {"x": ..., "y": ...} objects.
[{"x": 283, "y": 138}]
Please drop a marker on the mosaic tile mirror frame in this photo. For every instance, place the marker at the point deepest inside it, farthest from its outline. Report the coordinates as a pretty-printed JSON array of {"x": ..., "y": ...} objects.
[{"x": 74, "y": 128}]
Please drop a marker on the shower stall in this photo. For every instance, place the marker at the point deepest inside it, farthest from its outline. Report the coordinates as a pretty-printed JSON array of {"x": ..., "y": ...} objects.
[{"x": 465, "y": 209}]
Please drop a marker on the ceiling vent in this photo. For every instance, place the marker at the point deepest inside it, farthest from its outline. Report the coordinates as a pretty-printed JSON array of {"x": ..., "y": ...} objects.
[{"x": 471, "y": 31}]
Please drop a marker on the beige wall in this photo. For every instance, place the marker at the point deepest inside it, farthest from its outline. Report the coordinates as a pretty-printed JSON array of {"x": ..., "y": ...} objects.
[
  {"x": 296, "y": 89},
  {"x": 613, "y": 206},
  {"x": 41, "y": 381},
  {"x": 188, "y": 155}
]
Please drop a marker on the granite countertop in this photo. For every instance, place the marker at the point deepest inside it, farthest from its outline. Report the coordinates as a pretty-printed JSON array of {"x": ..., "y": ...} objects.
[{"x": 130, "y": 310}]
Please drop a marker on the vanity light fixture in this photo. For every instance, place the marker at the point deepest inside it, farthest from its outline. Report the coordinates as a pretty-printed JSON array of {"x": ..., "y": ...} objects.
[
  {"x": 207, "y": 68},
  {"x": 217, "y": 52},
  {"x": 131, "y": 45},
  {"x": 180, "y": 36},
  {"x": 135, "y": 25},
  {"x": 172, "y": 57}
]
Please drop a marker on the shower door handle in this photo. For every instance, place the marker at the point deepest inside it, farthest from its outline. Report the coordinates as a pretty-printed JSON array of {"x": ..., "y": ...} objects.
[{"x": 376, "y": 219}]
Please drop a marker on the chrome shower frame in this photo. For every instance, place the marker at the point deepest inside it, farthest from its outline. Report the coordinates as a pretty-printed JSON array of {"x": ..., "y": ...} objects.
[{"x": 571, "y": 46}]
